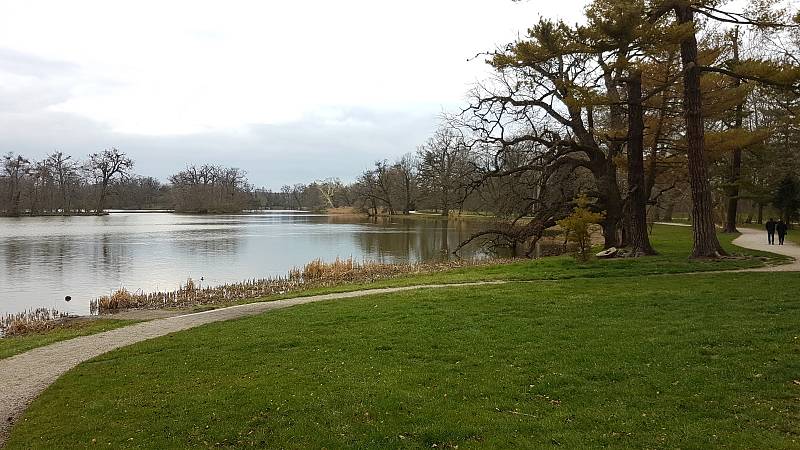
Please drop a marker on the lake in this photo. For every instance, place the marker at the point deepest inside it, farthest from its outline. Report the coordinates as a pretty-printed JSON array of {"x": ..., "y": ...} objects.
[{"x": 43, "y": 259}]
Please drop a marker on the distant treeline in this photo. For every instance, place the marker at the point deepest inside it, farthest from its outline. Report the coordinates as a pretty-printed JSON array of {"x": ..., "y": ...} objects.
[
  {"x": 62, "y": 185},
  {"x": 430, "y": 179},
  {"x": 434, "y": 178}
]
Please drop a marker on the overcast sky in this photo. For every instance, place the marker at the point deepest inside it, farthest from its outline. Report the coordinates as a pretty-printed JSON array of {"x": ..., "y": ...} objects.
[{"x": 290, "y": 91}]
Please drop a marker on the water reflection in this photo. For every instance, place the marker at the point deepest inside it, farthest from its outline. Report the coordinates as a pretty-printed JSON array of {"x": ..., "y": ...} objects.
[
  {"x": 444, "y": 228},
  {"x": 44, "y": 259},
  {"x": 199, "y": 243}
]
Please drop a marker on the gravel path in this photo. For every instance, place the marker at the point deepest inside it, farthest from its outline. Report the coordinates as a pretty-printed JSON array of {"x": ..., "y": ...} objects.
[{"x": 24, "y": 376}]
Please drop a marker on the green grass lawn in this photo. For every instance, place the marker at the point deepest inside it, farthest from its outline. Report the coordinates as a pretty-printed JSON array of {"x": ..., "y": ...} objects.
[
  {"x": 15, "y": 345},
  {"x": 793, "y": 235},
  {"x": 691, "y": 361}
]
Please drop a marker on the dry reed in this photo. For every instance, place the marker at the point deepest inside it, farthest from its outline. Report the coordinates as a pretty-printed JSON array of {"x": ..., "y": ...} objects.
[
  {"x": 32, "y": 321},
  {"x": 316, "y": 274}
]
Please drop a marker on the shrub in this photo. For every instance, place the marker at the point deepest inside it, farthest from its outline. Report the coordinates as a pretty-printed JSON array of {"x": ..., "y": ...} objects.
[{"x": 576, "y": 227}]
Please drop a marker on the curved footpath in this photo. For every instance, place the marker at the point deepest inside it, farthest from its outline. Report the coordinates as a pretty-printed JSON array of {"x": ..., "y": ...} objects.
[
  {"x": 757, "y": 240},
  {"x": 24, "y": 376}
]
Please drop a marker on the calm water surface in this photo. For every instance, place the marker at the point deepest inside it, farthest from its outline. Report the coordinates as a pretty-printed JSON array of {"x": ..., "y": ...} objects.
[{"x": 43, "y": 259}]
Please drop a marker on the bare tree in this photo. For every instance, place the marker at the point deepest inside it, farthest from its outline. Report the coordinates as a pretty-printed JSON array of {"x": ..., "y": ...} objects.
[
  {"x": 408, "y": 174},
  {"x": 105, "y": 167},
  {"x": 65, "y": 172},
  {"x": 15, "y": 168},
  {"x": 442, "y": 163},
  {"x": 286, "y": 192},
  {"x": 372, "y": 189},
  {"x": 211, "y": 189},
  {"x": 540, "y": 96},
  {"x": 327, "y": 189},
  {"x": 297, "y": 195}
]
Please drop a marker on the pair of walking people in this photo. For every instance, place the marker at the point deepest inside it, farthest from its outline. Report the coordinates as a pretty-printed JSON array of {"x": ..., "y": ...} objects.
[{"x": 778, "y": 227}]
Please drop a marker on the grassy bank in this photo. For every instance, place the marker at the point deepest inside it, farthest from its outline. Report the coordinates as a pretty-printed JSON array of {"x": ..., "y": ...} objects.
[
  {"x": 348, "y": 275},
  {"x": 681, "y": 361},
  {"x": 14, "y": 345},
  {"x": 673, "y": 243}
]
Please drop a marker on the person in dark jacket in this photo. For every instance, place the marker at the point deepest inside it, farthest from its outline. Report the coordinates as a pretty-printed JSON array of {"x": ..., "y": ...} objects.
[
  {"x": 771, "y": 231},
  {"x": 781, "y": 228}
]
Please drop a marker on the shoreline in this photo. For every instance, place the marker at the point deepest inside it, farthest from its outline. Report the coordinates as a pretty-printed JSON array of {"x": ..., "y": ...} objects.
[{"x": 33, "y": 371}]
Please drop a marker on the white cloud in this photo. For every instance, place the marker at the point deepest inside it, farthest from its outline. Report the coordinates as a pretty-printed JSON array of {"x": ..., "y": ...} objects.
[{"x": 189, "y": 67}]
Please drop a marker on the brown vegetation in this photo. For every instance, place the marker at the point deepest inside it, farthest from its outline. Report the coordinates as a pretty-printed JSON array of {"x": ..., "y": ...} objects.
[
  {"x": 33, "y": 321},
  {"x": 342, "y": 211},
  {"x": 316, "y": 274}
]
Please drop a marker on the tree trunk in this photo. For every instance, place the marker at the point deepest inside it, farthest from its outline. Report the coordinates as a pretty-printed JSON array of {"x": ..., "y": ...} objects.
[
  {"x": 733, "y": 192},
  {"x": 760, "y": 213},
  {"x": 652, "y": 174},
  {"x": 615, "y": 224},
  {"x": 638, "y": 240},
  {"x": 625, "y": 239},
  {"x": 443, "y": 228},
  {"x": 102, "y": 199},
  {"x": 445, "y": 202},
  {"x": 736, "y": 155},
  {"x": 407, "y": 209},
  {"x": 611, "y": 199},
  {"x": 706, "y": 244},
  {"x": 373, "y": 207},
  {"x": 15, "y": 202},
  {"x": 668, "y": 210}
]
